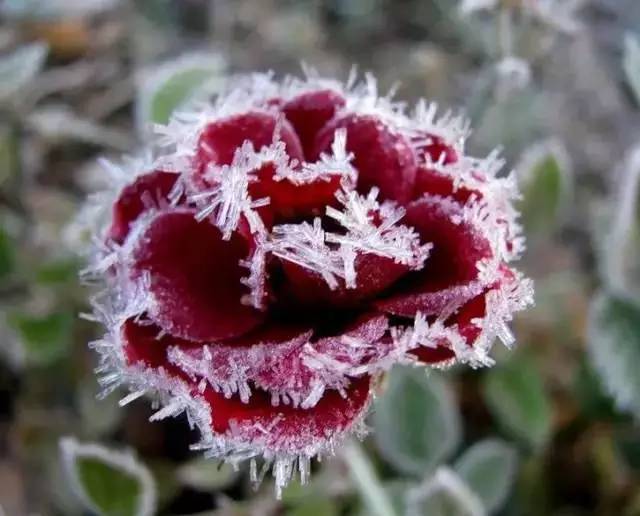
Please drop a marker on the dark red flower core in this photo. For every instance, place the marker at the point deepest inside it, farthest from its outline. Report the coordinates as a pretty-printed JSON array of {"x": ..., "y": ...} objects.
[{"x": 289, "y": 245}]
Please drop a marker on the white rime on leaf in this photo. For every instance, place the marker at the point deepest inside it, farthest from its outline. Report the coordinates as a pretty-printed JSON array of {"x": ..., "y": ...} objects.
[
  {"x": 546, "y": 178},
  {"x": 613, "y": 343},
  {"x": 121, "y": 462},
  {"x": 631, "y": 64},
  {"x": 170, "y": 85},
  {"x": 444, "y": 493},
  {"x": 19, "y": 68},
  {"x": 620, "y": 249},
  {"x": 470, "y": 6},
  {"x": 489, "y": 468}
]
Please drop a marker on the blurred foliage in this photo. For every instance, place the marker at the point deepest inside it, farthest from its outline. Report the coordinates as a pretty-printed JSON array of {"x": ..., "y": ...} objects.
[
  {"x": 551, "y": 429},
  {"x": 416, "y": 422}
]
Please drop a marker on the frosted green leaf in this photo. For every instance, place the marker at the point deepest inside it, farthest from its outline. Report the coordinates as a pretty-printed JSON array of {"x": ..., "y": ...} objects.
[
  {"x": 444, "y": 494},
  {"x": 416, "y": 421},
  {"x": 206, "y": 474},
  {"x": 489, "y": 468},
  {"x": 631, "y": 64},
  {"x": 169, "y": 86},
  {"x": 619, "y": 237},
  {"x": 514, "y": 392},
  {"x": 108, "y": 482},
  {"x": 546, "y": 184},
  {"x": 511, "y": 122},
  {"x": 19, "y": 68},
  {"x": 613, "y": 345},
  {"x": 9, "y": 150}
]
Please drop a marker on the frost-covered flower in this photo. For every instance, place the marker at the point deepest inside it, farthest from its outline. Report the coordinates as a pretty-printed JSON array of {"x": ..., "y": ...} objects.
[{"x": 287, "y": 244}]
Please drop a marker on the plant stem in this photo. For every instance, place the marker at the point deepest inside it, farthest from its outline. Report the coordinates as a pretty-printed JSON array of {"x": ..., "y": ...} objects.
[{"x": 367, "y": 482}]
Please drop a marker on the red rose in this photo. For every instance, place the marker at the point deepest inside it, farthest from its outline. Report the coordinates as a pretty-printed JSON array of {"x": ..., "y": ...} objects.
[{"x": 288, "y": 245}]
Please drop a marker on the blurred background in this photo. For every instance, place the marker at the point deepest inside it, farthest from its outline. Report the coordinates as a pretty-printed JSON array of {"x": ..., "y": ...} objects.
[{"x": 550, "y": 430}]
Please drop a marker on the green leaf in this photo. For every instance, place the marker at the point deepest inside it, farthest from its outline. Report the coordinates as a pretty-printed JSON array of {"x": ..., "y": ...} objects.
[
  {"x": 7, "y": 254},
  {"x": 9, "y": 154},
  {"x": 511, "y": 122},
  {"x": 108, "y": 482},
  {"x": 416, "y": 421},
  {"x": 545, "y": 182},
  {"x": 444, "y": 494},
  {"x": 515, "y": 394},
  {"x": 57, "y": 271},
  {"x": 619, "y": 231},
  {"x": 589, "y": 392},
  {"x": 206, "y": 474},
  {"x": 489, "y": 468},
  {"x": 171, "y": 85},
  {"x": 44, "y": 339},
  {"x": 613, "y": 345},
  {"x": 314, "y": 506},
  {"x": 631, "y": 64},
  {"x": 19, "y": 68}
]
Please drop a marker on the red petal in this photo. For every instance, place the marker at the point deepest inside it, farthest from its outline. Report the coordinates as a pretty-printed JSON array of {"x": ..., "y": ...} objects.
[
  {"x": 436, "y": 355},
  {"x": 373, "y": 275},
  {"x": 195, "y": 278},
  {"x": 434, "y": 183},
  {"x": 273, "y": 358},
  {"x": 147, "y": 191},
  {"x": 464, "y": 319},
  {"x": 436, "y": 148},
  {"x": 383, "y": 157},
  {"x": 449, "y": 276},
  {"x": 289, "y": 200},
  {"x": 285, "y": 429},
  {"x": 220, "y": 140},
  {"x": 259, "y": 424},
  {"x": 144, "y": 343},
  {"x": 269, "y": 356},
  {"x": 428, "y": 299},
  {"x": 475, "y": 308},
  {"x": 309, "y": 112}
]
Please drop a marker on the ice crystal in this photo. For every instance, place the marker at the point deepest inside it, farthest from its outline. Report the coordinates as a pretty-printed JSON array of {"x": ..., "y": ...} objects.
[
  {"x": 338, "y": 163},
  {"x": 306, "y": 245},
  {"x": 230, "y": 200},
  {"x": 383, "y": 237}
]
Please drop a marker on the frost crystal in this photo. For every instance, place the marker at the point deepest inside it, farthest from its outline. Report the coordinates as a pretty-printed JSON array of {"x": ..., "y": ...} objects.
[
  {"x": 384, "y": 237},
  {"x": 229, "y": 200},
  {"x": 338, "y": 163},
  {"x": 306, "y": 245}
]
